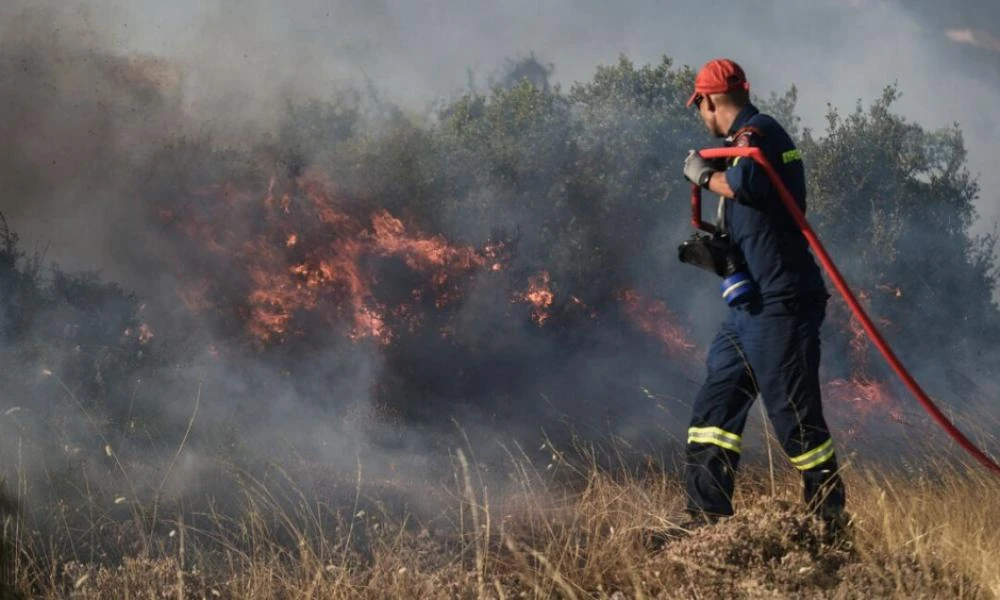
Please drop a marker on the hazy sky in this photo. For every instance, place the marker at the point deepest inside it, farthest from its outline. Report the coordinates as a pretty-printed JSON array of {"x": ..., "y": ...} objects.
[
  {"x": 945, "y": 56},
  {"x": 835, "y": 51}
]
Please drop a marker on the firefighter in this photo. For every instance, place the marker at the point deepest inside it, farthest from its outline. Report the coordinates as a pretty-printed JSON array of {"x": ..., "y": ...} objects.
[{"x": 769, "y": 343}]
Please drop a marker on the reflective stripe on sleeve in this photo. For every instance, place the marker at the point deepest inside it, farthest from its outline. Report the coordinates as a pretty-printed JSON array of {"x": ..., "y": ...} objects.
[
  {"x": 729, "y": 290},
  {"x": 716, "y": 436},
  {"x": 790, "y": 155},
  {"x": 814, "y": 457}
]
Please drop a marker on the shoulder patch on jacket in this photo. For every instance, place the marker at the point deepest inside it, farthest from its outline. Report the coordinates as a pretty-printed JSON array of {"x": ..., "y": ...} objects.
[
  {"x": 744, "y": 136},
  {"x": 791, "y": 155}
]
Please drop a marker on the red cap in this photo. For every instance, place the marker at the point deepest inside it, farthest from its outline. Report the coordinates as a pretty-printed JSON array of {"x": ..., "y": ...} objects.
[{"x": 719, "y": 76}]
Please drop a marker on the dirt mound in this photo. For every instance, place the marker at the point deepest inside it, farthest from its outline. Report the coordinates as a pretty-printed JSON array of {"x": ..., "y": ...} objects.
[{"x": 775, "y": 549}]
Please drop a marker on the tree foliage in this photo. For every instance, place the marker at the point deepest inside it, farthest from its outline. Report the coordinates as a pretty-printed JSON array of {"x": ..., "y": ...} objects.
[
  {"x": 897, "y": 203},
  {"x": 87, "y": 329},
  {"x": 590, "y": 177},
  {"x": 585, "y": 184}
]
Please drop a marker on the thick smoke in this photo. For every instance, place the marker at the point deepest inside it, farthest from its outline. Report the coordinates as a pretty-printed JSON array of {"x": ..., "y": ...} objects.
[
  {"x": 235, "y": 62},
  {"x": 834, "y": 52},
  {"x": 95, "y": 135}
]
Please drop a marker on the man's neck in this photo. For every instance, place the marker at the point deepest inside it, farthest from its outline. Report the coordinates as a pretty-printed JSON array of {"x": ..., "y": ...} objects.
[
  {"x": 727, "y": 117},
  {"x": 732, "y": 117}
]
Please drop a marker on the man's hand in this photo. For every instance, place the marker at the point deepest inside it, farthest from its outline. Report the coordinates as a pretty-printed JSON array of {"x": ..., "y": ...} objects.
[{"x": 697, "y": 170}]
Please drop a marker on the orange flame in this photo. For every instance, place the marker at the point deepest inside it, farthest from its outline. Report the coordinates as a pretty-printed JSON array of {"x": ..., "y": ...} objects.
[
  {"x": 322, "y": 263},
  {"x": 540, "y": 296},
  {"x": 495, "y": 254},
  {"x": 860, "y": 395},
  {"x": 655, "y": 319},
  {"x": 859, "y": 400}
]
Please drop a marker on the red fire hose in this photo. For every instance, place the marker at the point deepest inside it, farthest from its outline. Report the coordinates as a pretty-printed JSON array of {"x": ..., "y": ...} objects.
[{"x": 845, "y": 291}]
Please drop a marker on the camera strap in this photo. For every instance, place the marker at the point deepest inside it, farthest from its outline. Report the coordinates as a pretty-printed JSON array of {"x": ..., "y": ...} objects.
[
  {"x": 741, "y": 139},
  {"x": 720, "y": 216}
]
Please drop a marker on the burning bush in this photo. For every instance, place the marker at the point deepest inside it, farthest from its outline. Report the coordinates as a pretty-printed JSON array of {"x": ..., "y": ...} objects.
[{"x": 495, "y": 255}]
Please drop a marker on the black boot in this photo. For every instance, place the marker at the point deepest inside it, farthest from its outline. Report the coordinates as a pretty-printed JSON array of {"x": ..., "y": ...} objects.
[{"x": 825, "y": 497}]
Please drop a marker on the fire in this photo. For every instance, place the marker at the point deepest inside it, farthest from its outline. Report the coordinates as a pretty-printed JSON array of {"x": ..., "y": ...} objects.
[
  {"x": 298, "y": 258},
  {"x": 496, "y": 254},
  {"x": 655, "y": 319},
  {"x": 859, "y": 343},
  {"x": 540, "y": 296},
  {"x": 390, "y": 237},
  {"x": 860, "y": 396},
  {"x": 337, "y": 270},
  {"x": 863, "y": 395},
  {"x": 305, "y": 255},
  {"x": 861, "y": 399}
]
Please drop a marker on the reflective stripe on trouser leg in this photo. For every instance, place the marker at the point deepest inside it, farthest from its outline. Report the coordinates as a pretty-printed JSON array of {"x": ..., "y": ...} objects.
[
  {"x": 782, "y": 344},
  {"x": 718, "y": 415},
  {"x": 815, "y": 457},
  {"x": 716, "y": 436}
]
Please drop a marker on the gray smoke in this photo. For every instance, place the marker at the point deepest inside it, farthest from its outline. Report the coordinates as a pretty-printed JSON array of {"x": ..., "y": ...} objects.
[{"x": 232, "y": 63}]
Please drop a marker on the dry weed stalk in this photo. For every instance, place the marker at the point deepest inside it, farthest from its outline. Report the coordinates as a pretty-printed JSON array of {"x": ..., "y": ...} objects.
[{"x": 568, "y": 528}]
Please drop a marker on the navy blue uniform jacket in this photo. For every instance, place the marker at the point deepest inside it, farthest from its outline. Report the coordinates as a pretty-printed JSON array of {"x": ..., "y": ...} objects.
[{"x": 777, "y": 254}]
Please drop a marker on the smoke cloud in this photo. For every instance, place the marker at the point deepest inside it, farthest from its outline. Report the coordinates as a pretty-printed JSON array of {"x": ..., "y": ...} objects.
[{"x": 231, "y": 64}]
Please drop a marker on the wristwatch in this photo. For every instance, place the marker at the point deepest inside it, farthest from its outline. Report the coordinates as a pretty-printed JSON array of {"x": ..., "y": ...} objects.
[{"x": 705, "y": 177}]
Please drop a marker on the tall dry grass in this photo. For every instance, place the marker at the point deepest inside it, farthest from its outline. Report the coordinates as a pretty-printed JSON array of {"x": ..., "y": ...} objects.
[{"x": 568, "y": 528}]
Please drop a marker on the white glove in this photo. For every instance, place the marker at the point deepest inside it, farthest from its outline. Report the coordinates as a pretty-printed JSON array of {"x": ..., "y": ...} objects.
[{"x": 698, "y": 170}]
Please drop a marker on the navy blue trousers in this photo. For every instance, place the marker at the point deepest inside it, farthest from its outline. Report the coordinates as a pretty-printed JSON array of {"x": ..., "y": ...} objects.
[{"x": 773, "y": 349}]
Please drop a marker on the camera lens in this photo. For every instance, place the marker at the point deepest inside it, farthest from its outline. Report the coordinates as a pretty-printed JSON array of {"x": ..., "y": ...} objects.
[{"x": 719, "y": 255}]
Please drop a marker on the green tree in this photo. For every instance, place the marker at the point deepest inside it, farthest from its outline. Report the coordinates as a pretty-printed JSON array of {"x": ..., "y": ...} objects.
[{"x": 895, "y": 204}]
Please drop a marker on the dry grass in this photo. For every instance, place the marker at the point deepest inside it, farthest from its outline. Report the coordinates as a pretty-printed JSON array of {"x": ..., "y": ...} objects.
[{"x": 566, "y": 530}]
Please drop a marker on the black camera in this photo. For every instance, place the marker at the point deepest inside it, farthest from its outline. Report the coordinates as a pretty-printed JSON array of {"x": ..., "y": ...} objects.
[{"x": 718, "y": 254}]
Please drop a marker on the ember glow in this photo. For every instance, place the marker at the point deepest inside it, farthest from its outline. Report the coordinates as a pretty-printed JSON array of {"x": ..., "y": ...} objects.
[
  {"x": 861, "y": 397},
  {"x": 864, "y": 396},
  {"x": 300, "y": 259},
  {"x": 653, "y": 318},
  {"x": 858, "y": 398},
  {"x": 540, "y": 296},
  {"x": 305, "y": 257}
]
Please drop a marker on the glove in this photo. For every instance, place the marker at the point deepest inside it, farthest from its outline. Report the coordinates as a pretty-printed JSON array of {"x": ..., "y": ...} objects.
[{"x": 697, "y": 170}]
